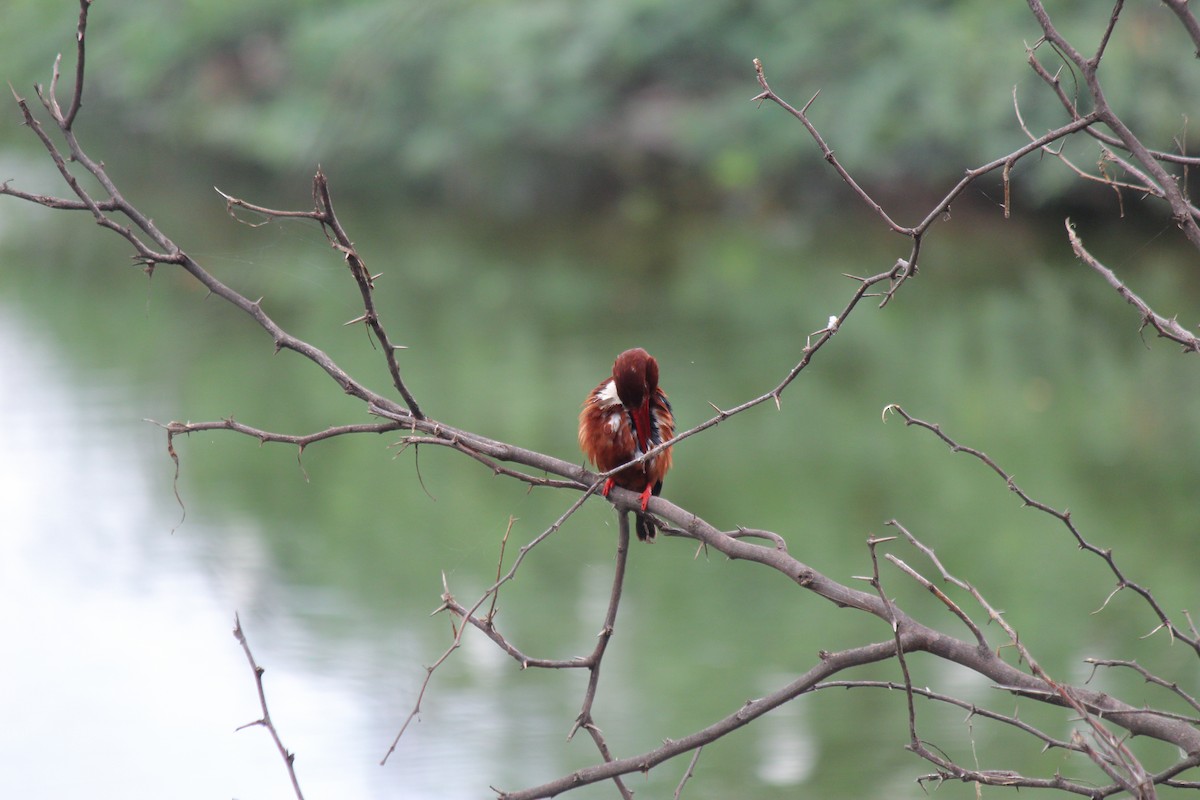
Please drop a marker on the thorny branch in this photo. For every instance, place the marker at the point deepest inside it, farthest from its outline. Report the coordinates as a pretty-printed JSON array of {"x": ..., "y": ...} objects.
[
  {"x": 1150, "y": 678},
  {"x": 289, "y": 758},
  {"x": 469, "y": 613},
  {"x": 585, "y": 719},
  {"x": 688, "y": 773},
  {"x": 1123, "y": 581},
  {"x": 590, "y": 662},
  {"x": 1181, "y": 208},
  {"x": 324, "y": 214},
  {"x": 907, "y": 635},
  {"x": 1166, "y": 328},
  {"x": 1111, "y": 756}
]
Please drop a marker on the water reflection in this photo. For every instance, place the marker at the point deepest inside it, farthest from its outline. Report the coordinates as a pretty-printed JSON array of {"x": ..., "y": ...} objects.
[
  {"x": 108, "y": 641},
  {"x": 787, "y": 750},
  {"x": 119, "y": 659}
]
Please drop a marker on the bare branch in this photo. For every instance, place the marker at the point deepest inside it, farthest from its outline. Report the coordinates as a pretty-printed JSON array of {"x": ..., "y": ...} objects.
[
  {"x": 585, "y": 720},
  {"x": 1181, "y": 10},
  {"x": 802, "y": 115},
  {"x": 1062, "y": 516},
  {"x": 1180, "y": 207},
  {"x": 80, "y": 39},
  {"x": 468, "y": 613},
  {"x": 829, "y": 664},
  {"x": 289, "y": 758},
  {"x": 913, "y": 740},
  {"x": 972, "y": 709},
  {"x": 936, "y": 592},
  {"x": 688, "y": 773},
  {"x": 1166, "y": 328},
  {"x": 1151, "y": 678}
]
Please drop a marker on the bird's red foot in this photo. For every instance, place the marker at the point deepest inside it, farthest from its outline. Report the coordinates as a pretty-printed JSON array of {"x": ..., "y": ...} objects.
[
  {"x": 645, "y": 497},
  {"x": 608, "y": 484}
]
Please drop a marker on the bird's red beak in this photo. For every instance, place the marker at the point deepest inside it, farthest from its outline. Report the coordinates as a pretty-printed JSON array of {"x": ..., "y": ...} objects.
[{"x": 641, "y": 424}]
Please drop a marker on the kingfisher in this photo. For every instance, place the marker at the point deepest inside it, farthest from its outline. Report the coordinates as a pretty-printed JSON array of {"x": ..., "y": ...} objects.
[{"x": 624, "y": 417}]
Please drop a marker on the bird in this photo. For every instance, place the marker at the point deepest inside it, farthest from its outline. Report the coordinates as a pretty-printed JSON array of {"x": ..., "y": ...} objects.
[{"x": 624, "y": 417}]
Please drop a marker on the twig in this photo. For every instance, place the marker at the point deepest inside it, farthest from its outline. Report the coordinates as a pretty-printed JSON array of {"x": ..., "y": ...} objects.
[
  {"x": 289, "y": 758},
  {"x": 938, "y": 593},
  {"x": 1166, "y": 328},
  {"x": 585, "y": 720},
  {"x": 801, "y": 114},
  {"x": 972, "y": 709},
  {"x": 1150, "y": 678},
  {"x": 829, "y": 664},
  {"x": 758, "y": 533},
  {"x": 1146, "y": 186},
  {"x": 323, "y": 212},
  {"x": 489, "y": 629},
  {"x": 1181, "y": 210},
  {"x": 893, "y": 620},
  {"x": 415, "y": 712},
  {"x": 688, "y": 773},
  {"x": 491, "y": 614},
  {"x": 1123, "y": 582},
  {"x": 447, "y": 598},
  {"x": 1113, "y": 757},
  {"x": 1181, "y": 10}
]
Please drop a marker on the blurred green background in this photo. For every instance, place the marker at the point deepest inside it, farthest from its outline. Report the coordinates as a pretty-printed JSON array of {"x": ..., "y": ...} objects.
[{"x": 543, "y": 185}]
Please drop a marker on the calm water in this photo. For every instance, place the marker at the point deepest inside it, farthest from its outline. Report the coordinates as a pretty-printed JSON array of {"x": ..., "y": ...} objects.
[{"x": 122, "y": 678}]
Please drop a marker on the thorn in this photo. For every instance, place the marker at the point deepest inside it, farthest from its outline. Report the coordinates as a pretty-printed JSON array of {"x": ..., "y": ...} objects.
[
  {"x": 363, "y": 318},
  {"x": 399, "y": 347}
]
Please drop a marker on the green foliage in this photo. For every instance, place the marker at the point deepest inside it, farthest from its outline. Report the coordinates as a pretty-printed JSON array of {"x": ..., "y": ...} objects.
[{"x": 527, "y": 105}]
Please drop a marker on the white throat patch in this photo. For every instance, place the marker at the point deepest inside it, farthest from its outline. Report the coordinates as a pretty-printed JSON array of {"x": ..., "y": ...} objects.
[{"x": 608, "y": 395}]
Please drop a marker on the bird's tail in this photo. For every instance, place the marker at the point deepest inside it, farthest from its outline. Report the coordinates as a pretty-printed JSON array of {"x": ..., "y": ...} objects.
[{"x": 645, "y": 528}]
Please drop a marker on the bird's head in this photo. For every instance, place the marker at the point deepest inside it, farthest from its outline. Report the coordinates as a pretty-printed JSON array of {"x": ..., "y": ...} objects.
[{"x": 635, "y": 374}]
